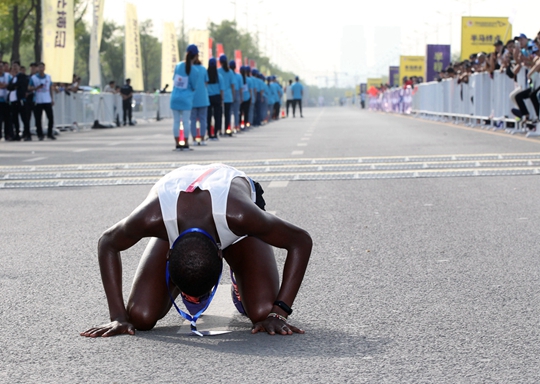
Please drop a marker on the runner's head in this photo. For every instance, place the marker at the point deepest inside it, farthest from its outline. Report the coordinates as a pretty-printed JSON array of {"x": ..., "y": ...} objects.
[{"x": 195, "y": 263}]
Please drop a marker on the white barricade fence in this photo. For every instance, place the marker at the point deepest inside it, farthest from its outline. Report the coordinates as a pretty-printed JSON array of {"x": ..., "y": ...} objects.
[
  {"x": 485, "y": 100},
  {"x": 80, "y": 110}
]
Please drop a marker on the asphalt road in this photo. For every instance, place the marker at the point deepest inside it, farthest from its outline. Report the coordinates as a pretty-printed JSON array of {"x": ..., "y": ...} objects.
[{"x": 425, "y": 265}]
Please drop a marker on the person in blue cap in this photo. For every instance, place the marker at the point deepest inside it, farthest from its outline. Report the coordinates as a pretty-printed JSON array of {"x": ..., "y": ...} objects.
[
  {"x": 196, "y": 216},
  {"x": 184, "y": 84},
  {"x": 298, "y": 93},
  {"x": 246, "y": 97},
  {"x": 229, "y": 80},
  {"x": 252, "y": 83},
  {"x": 216, "y": 89},
  {"x": 238, "y": 82},
  {"x": 268, "y": 100},
  {"x": 259, "y": 86},
  {"x": 199, "y": 112}
]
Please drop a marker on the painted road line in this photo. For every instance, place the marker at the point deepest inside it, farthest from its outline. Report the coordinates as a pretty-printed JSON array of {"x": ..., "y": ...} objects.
[
  {"x": 277, "y": 184},
  {"x": 81, "y": 150},
  {"x": 301, "y": 145},
  {"x": 294, "y": 153},
  {"x": 34, "y": 159}
]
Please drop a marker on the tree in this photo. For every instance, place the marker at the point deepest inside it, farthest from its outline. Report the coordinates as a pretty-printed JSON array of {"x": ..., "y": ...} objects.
[
  {"x": 112, "y": 52},
  {"x": 150, "y": 55},
  {"x": 14, "y": 29}
]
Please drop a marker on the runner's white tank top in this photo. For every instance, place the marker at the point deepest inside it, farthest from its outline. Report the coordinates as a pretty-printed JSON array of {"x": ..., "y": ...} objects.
[{"x": 214, "y": 178}]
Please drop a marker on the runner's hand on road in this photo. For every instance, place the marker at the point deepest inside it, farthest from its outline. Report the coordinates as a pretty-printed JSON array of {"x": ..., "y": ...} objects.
[
  {"x": 111, "y": 329},
  {"x": 273, "y": 325}
]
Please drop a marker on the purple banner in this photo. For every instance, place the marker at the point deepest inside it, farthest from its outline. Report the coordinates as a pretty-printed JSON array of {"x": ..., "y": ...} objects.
[
  {"x": 437, "y": 59},
  {"x": 393, "y": 76}
]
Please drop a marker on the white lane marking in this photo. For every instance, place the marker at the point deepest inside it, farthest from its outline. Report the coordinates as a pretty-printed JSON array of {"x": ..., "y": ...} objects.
[
  {"x": 272, "y": 212},
  {"x": 219, "y": 314},
  {"x": 297, "y": 153},
  {"x": 305, "y": 138},
  {"x": 116, "y": 143},
  {"x": 81, "y": 150},
  {"x": 301, "y": 145},
  {"x": 278, "y": 184},
  {"x": 34, "y": 159}
]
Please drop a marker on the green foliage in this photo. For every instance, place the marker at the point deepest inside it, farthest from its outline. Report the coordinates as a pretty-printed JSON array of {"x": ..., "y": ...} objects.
[
  {"x": 112, "y": 52},
  {"x": 151, "y": 56},
  {"x": 227, "y": 33}
]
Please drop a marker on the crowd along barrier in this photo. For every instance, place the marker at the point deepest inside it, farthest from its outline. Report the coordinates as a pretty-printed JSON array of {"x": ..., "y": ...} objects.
[{"x": 486, "y": 101}]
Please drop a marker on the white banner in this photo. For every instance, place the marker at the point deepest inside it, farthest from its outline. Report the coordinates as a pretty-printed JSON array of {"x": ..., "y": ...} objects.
[
  {"x": 169, "y": 55},
  {"x": 95, "y": 43},
  {"x": 133, "y": 61},
  {"x": 201, "y": 40},
  {"x": 59, "y": 39}
]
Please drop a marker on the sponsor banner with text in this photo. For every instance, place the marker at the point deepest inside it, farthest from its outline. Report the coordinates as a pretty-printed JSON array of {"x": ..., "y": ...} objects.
[
  {"x": 169, "y": 55},
  {"x": 410, "y": 66},
  {"x": 133, "y": 60},
  {"x": 59, "y": 39},
  {"x": 437, "y": 59},
  {"x": 478, "y": 34}
]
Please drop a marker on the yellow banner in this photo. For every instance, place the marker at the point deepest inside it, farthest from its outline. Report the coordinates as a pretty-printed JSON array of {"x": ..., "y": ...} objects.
[
  {"x": 95, "y": 43},
  {"x": 412, "y": 66},
  {"x": 133, "y": 61},
  {"x": 375, "y": 82},
  {"x": 169, "y": 55},
  {"x": 200, "y": 39},
  {"x": 478, "y": 34},
  {"x": 59, "y": 39}
]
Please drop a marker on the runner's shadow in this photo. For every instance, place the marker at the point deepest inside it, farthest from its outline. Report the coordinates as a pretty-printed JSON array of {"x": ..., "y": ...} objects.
[{"x": 315, "y": 342}]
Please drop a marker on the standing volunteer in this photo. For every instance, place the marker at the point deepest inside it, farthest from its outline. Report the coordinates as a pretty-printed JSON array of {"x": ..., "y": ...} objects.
[
  {"x": 41, "y": 84},
  {"x": 216, "y": 89},
  {"x": 228, "y": 80},
  {"x": 185, "y": 81},
  {"x": 278, "y": 94},
  {"x": 246, "y": 98},
  {"x": 237, "y": 95},
  {"x": 200, "y": 105},
  {"x": 289, "y": 96},
  {"x": 298, "y": 93}
]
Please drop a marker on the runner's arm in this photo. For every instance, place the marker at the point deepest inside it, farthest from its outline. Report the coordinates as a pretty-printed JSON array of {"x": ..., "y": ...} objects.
[{"x": 279, "y": 233}]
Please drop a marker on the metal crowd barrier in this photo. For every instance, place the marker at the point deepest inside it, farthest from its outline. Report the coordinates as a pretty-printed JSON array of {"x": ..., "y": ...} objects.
[
  {"x": 81, "y": 110},
  {"x": 486, "y": 101}
]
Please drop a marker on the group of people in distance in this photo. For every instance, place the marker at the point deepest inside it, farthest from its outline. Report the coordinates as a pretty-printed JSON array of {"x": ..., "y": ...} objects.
[
  {"x": 22, "y": 95},
  {"x": 234, "y": 100}
]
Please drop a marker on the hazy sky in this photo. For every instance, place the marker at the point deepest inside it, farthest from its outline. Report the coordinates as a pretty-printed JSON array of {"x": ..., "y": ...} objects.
[{"x": 305, "y": 36}]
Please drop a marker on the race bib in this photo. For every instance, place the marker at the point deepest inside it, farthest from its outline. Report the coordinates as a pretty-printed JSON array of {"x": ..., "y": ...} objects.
[
  {"x": 180, "y": 82},
  {"x": 245, "y": 88}
]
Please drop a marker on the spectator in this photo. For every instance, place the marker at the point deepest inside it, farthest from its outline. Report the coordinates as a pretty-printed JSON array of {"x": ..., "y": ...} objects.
[
  {"x": 127, "y": 97},
  {"x": 278, "y": 94},
  {"x": 298, "y": 93},
  {"x": 5, "y": 115},
  {"x": 42, "y": 85},
  {"x": 111, "y": 87},
  {"x": 18, "y": 88}
]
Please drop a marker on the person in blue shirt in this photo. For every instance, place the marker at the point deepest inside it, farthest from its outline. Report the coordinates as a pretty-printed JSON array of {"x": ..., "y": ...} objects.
[
  {"x": 298, "y": 93},
  {"x": 268, "y": 100},
  {"x": 216, "y": 89},
  {"x": 252, "y": 83},
  {"x": 259, "y": 87},
  {"x": 278, "y": 94},
  {"x": 238, "y": 82},
  {"x": 229, "y": 80},
  {"x": 246, "y": 98},
  {"x": 200, "y": 104},
  {"x": 184, "y": 84},
  {"x": 5, "y": 115}
]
